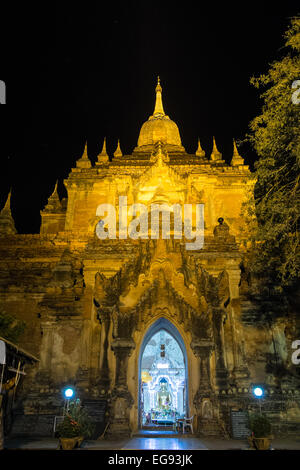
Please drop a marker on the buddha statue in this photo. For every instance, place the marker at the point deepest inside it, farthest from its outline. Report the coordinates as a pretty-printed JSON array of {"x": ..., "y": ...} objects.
[
  {"x": 163, "y": 396},
  {"x": 221, "y": 230}
]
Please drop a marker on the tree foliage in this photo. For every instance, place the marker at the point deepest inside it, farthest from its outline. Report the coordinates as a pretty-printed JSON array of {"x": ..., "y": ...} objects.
[
  {"x": 11, "y": 328},
  {"x": 275, "y": 136},
  {"x": 260, "y": 425},
  {"x": 68, "y": 428}
]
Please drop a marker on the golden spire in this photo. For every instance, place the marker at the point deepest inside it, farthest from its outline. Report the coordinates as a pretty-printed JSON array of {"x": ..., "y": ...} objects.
[
  {"x": 84, "y": 161},
  {"x": 158, "y": 110},
  {"x": 200, "y": 152},
  {"x": 84, "y": 155},
  {"x": 6, "y": 207},
  {"x": 215, "y": 154},
  {"x": 236, "y": 157},
  {"x": 53, "y": 204},
  {"x": 103, "y": 156},
  {"x": 103, "y": 152},
  {"x": 7, "y": 224},
  {"x": 55, "y": 193},
  {"x": 118, "y": 152}
]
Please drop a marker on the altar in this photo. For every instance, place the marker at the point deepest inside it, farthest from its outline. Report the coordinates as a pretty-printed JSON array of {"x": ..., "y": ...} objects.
[{"x": 163, "y": 422}]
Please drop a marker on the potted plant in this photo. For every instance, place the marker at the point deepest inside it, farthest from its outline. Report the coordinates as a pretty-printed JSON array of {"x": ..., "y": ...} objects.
[
  {"x": 75, "y": 427},
  {"x": 261, "y": 432},
  {"x": 80, "y": 415},
  {"x": 69, "y": 433}
]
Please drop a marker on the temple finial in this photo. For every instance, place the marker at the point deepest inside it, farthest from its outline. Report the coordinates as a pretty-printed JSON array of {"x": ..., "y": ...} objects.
[
  {"x": 85, "y": 154},
  {"x": 6, "y": 207},
  {"x": 7, "y": 224},
  {"x": 103, "y": 151},
  {"x": 84, "y": 161},
  {"x": 158, "y": 110},
  {"x": 53, "y": 205},
  {"x": 236, "y": 157},
  {"x": 200, "y": 152},
  {"x": 118, "y": 152},
  {"x": 215, "y": 154},
  {"x": 55, "y": 192},
  {"x": 215, "y": 149},
  {"x": 103, "y": 156}
]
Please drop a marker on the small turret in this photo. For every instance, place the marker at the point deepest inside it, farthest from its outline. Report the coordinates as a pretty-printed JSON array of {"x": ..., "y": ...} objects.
[
  {"x": 7, "y": 224},
  {"x": 53, "y": 215},
  {"x": 84, "y": 161},
  {"x": 54, "y": 204},
  {"x": 200, "y": 152},
  {"x": 236, "y": 157},
  {"x": 103, "y": 156},
  {"x": 216, "y": 156},
  {"x": 118, "y": 152}
]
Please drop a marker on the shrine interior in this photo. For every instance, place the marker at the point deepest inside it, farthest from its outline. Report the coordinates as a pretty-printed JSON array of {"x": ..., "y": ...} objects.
[{"x": 163, "y": 381}]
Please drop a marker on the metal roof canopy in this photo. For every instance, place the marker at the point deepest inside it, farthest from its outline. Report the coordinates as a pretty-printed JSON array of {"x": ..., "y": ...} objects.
[{"x": 16, "y": 350}]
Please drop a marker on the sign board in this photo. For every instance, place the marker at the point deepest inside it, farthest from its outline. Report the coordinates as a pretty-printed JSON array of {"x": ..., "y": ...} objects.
[
  {"x": 57, "y": 421},
  {"x": 240, "y": 424},
  {"x": 96, "y": 410}
]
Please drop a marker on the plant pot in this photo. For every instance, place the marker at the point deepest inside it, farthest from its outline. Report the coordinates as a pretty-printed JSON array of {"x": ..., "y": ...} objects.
[
  {"x": 261, "y": 443},
  {"x": 69, "y": 443}
]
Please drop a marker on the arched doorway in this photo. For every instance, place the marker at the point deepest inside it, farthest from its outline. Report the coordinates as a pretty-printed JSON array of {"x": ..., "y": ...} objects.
[{"x": 163, "y": 376}]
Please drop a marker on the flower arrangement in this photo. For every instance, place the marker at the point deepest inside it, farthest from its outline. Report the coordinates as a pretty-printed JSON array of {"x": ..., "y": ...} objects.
[
  {"x": 68, "y": 427},
  {"x": 76, "y": 422}
]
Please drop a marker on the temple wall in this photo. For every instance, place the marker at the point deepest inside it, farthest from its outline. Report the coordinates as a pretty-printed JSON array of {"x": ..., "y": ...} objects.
[
  {"x": 52, "y": 223},
  {"x": 24, "y": 307},
  {"x": 221, "y": 196},
  {"x": 71, "y": 341},
  {"x": 89, "y": 303}
]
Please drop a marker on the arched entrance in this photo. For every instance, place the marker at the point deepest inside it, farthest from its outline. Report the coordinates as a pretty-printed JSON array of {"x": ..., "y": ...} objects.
[{"x": 163, "y": 376}]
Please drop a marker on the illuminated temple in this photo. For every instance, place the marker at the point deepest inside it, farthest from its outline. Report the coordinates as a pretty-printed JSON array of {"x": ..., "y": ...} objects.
[{"x": 144, "y": 329}]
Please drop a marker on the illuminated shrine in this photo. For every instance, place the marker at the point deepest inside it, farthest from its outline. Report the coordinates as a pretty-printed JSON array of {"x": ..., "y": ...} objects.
[{"x": 163, "y": 380}]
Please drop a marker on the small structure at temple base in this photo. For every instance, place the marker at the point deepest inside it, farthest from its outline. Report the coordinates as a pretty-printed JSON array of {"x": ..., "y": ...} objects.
[{"x": 12, "y": 368}]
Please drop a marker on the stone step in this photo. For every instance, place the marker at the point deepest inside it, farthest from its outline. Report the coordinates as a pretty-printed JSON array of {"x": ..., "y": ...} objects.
[
  {"x": 156, "y": 433},
  {"x": 157, "y": 428}
]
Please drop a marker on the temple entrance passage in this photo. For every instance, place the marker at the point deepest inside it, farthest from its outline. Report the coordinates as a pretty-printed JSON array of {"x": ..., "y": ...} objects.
[{"x": 163, "y": 378}]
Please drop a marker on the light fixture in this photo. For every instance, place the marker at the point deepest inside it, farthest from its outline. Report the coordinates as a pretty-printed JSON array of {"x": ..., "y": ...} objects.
[
  {"x": 69, "y": 392},
  {"x": 258, "y": 391}
]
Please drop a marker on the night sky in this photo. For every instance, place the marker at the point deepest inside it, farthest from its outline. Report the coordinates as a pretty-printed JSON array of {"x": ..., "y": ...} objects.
[{"x": 74, "y": 75}]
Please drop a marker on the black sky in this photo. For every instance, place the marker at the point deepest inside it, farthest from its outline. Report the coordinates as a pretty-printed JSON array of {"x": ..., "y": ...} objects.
[{"x": 75, "y": 75}]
